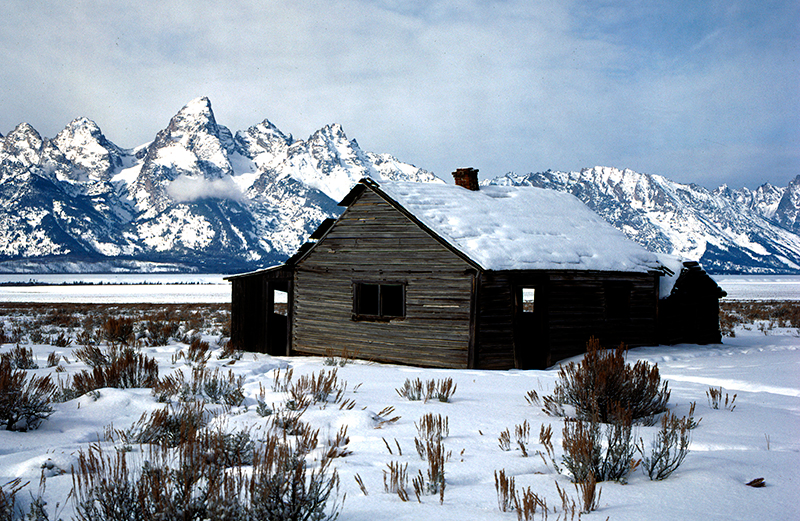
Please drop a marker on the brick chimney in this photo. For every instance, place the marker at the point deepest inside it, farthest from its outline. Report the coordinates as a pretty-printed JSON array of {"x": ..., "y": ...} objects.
[{"x": 467, "y": 178}]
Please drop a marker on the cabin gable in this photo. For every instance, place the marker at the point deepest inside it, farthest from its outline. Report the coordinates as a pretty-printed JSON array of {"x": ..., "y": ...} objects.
[{"x": 372, "y": 254}]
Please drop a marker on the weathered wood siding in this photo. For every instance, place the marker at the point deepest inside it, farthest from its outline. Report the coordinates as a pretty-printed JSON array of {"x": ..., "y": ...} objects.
[
  {"x": 572, "y": 306},
  {"x": 374, "y": 242},
  {"x": 577, "y": 310}
]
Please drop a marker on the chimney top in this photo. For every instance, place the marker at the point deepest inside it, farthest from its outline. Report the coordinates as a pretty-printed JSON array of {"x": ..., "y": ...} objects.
[{"x": 467, "y": 178}]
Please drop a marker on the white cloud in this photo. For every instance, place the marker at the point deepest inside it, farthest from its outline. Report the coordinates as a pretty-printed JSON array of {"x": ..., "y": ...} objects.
[{"x": 191, "y": 188}]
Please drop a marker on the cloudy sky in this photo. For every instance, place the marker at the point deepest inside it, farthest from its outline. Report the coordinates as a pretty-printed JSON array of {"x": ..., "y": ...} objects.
[{"x": 698, "y": 91}]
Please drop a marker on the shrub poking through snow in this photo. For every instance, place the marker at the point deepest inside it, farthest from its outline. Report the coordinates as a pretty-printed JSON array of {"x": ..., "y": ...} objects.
[
  {"x": 432, "y": 427},
  {"x": 587, "y": 456},
  {"x": 670, "y": 447},
  {"x": 714, "y": 395},
  {"x": 603, "y": 384},
  {"x": 126, "y": 370},
  {"x": 159, "y": 332},
  {"x": 8, "y": 499},
  {"x": 433, "y": 482},
  {"x": 416, "y": 390},
  {"x": 395, "y": 480},
  {"x": 20, "y": 358},
  {"x": 24, "y": 402},
  {"x": 118, "y": 330},
  {"x": 322, "y": 388},
  {"x": 190, "y": 483}
]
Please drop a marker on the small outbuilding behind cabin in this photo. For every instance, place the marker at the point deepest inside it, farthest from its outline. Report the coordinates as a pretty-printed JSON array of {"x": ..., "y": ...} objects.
[{"x": 459, "y": 276}]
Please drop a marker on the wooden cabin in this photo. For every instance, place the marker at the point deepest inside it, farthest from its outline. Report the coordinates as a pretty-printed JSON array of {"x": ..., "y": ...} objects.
[{"x": 456, "y": 276}]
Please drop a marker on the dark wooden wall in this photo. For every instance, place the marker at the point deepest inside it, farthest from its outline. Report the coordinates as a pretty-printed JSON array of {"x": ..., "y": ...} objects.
[
  {"x": 374, "y": 242},
  {"x": 571, "y": 306},
  {"x": 255, "y": 325},
  {"x": 691, "y": 313}
]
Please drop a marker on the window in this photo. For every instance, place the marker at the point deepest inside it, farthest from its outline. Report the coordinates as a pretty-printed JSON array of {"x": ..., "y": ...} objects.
[
  {"x": 378, "y": 301},
  {"x": 528, "y": 299}
]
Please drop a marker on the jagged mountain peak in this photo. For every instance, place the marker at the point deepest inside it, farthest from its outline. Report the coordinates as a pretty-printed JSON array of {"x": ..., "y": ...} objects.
[
  {"x": 85, "y": 145},
  {"x": 683, "y": 219}
]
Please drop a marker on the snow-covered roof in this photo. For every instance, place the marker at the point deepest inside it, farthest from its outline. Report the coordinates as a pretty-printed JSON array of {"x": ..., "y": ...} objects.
[{"x": 520, "y": 228}]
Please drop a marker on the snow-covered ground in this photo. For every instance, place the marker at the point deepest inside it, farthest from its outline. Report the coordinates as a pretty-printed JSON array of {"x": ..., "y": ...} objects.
[{"x": 759, "y": 438}]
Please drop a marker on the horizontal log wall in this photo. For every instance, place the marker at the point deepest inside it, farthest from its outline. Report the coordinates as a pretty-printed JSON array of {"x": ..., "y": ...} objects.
[{"x": 374, "y": 242}]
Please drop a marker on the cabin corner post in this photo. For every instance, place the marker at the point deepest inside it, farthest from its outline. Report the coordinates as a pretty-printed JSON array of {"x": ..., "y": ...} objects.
[
  {"x": 472, "y": 349},
  {"x": 289, "y": 315}
]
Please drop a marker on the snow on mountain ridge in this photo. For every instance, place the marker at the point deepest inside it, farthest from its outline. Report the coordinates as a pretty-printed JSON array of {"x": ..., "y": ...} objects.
[
  {"x": 724, "y": 229},
  {"x": 197, "y": 195}
]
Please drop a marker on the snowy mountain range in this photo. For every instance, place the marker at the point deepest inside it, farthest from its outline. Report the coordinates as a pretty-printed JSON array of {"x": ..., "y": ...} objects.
[
  {"x": 197, "y": 197},
  {"x": 728, "y": 231},
  {"x": 201, "y": 198}
]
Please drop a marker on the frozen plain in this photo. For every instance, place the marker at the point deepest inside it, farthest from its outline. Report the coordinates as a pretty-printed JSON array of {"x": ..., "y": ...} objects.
[{"x": 759, "y": 438}]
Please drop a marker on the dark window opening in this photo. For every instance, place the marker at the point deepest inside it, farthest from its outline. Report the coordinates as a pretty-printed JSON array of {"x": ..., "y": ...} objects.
[
  {"x": 378, "y": 301},
  {"x": 618, "y": 300}
]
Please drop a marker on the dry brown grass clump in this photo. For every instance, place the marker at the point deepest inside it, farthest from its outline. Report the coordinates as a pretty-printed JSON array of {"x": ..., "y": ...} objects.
[{"x": 603, "y": 384}]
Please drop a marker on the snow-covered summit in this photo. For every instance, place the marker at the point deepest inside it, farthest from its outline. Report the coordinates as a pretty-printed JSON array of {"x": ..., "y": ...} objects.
[{"x": 195, "y": 195}]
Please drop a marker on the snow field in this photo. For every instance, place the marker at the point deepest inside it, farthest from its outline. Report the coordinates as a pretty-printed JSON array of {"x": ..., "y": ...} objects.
[{"x": 759, "y": 438}]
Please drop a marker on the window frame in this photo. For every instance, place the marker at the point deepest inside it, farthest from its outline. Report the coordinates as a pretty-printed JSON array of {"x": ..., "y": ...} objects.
[{"x": 381, "y": 316}]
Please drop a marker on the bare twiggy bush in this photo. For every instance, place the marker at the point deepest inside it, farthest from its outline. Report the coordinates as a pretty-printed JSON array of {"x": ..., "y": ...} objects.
[
  {"x": 118, "y": 330},
  {"x": 432, "y": 427},
  {"x": 504, "y": 441},
  {"x": 126, "y": 370},
  {"x": 506, "y": 491},
  {"x": 532, "y": 397},
  {"x": 433, "y": 482},
  {"x": 444, "y": 389},
  {"x": 169, "y": 426},
  {"x": 416, "y": 390},
  {"x": 8, "y": 500},
  {"x": 20, "y": 358},
  {"x": 412, "y": 390},
  {"x": 568, "y": 505},
  {"x": 24, "y": 402},
  {"x": 586, "y": 455},
  {"x": 528, "y": 503},
  {"x": 714, "y": 395},
  {"x": 322, "y": 388},
  {"x": 342, "y": 359},
  {"x": 337, "y": 446},
  {"x": 384, "y": 417},
  {"x": 198, "y": 352},
  {"x": 288, "y": 420},
  {"x": 191, "y": 484},
  {"x": 160, "y": 332},
  {"x": 589, "y": 494},
  {"x": 53, "y": 359},
  {"x": 522, "y": 435},
  {"x": 603, "y": 384},
  {"x": 61, "y": 340},
  {"x": 670, "y": 447},
  {"x": 282, "y": 380},
  {"x": 91, "y": 355},
  {"x": 395, "y": 481}
]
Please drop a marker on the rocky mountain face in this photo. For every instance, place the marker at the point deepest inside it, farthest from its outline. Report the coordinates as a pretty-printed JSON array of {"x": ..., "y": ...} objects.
[
  {"x": 198, "y": 197},
  {"x": 733, "y": 231}
]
